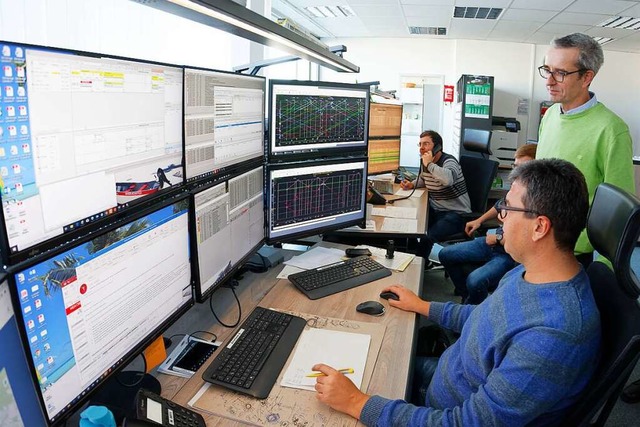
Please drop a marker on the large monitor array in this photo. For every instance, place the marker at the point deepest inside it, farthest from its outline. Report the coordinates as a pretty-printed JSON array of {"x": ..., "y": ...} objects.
[{"x": 129, "y": 188}]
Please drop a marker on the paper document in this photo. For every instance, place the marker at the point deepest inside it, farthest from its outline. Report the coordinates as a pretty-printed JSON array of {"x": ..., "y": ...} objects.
[
  {"x": 370, "y": 226},
  {"x": 396, "y": 212},
  {"x": 287, "y": 270},
  {"x": 405, "y": 193},
  {"x": 401, "y": 225},
  {"x": 399, "y": 262},
  {"x": 316, "y": 257},
  {"x": 334, "y": 348}
]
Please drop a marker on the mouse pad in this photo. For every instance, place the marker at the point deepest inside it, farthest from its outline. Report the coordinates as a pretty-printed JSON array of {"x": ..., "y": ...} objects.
[{"x": 290, "y": 406}]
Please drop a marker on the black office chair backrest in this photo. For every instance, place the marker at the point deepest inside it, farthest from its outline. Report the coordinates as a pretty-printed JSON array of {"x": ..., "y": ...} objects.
[
  {"x": 613, "y": 230},
  {"x": 477, "y": 140},
  {"x": 479, "y": 174}
]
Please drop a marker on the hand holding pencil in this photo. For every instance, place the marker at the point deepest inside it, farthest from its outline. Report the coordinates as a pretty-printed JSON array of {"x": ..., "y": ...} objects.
[
  {"x": 343, "y": 371},
  {"x": 338, "y": 391}
]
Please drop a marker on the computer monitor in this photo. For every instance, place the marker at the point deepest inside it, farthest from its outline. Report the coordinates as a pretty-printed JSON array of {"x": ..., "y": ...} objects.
[
  {"x": 223, "y": 121},
  {"x": 19, "y": 403},
  {"x": 307, "y": 198},
  {"x": 384, "y": 155},
  {"x": 229, "y": 228},
  {"x": 87, "y": 310},
  {"x": 82, "y": 136},
  {"x": 308, "y": 118}
]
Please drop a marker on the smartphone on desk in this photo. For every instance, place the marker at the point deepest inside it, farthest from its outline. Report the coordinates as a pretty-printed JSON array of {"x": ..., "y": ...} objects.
[{"x": 161, "y": 411}]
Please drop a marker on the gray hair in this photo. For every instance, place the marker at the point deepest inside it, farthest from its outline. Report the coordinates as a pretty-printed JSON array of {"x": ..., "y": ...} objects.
[{"x": 590, "y": 57}]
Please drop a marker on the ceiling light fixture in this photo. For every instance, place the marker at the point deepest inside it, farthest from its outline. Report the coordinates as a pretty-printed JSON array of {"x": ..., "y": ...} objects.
[
  {"x": 323, "y": 11},
  {"x": 624, "y": 22},
  {"x": 603, "y": 40},
  {"x": 477, "y": 12},
  {"x": 235, "y": 19}
]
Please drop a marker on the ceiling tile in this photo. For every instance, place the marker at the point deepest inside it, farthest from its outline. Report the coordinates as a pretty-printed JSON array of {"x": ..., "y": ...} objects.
[
  {"x": 483, "y": 3},
  {"x": 428, "y": 11},
  {"x": 449, "y": 3},
  {"x": 556, "y": 5},
  {"x": 467, "y": 28},
  {"x": 598, "y": 6},
  {"x": 528, "y": 15},
  {"x": 389, "y": 31},
  {"x": 564, "y": 29},
  {"x": 542, "y": 38},
  {"x": 380, "y": 21},
  {"x": 579, "y": 18},
  {"x": 616, "y": 33},
  {"x": 358, "y": 2},
  {"x": 515, "y": 26},
  {"x": 364, "y": 11},
  {"x": 633, "y": 11},
  {"x": 418, "y": 21}
]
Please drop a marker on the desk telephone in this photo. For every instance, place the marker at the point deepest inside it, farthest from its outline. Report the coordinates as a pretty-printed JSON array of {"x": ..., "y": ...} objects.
[
  {"x": 160, "y": 411},
  {"x": 374, "y": 197}
]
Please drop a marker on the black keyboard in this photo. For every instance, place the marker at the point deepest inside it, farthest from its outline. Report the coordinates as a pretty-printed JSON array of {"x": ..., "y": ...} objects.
[
  {"x": 338, "y": 277},
  {"x": 253, "y": 359}
]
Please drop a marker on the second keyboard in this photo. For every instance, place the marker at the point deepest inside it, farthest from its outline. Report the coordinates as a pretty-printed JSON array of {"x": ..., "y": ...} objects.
[{"x": 333, "y": 278}]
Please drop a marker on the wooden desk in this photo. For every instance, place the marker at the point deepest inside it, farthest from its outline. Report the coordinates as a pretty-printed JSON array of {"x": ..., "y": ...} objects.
[
  {"x": 391, "y": 376},
  {"x": 422, "y": 210}
]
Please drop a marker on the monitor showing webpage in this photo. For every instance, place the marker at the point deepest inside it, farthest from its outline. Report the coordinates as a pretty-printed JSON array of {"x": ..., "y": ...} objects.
[
  {"x": 223, "y": 120},
  {"x": 82, "y": 136},
  {"x": 306, "y": 199},
  {"x": 90, "y": 309},
  {"x": 19, "y": 403},
  {"x": 307, "y": 117},
  {"x": 229, "y": 227}
]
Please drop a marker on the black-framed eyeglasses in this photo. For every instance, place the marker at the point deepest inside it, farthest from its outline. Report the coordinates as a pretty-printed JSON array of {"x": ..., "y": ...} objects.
[
  {"x": 557, "y": 75},
  {"x": 502, "y": 209}
]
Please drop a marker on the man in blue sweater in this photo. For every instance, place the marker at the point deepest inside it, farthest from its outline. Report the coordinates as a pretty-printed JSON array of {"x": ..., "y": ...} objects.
[{"x": 524, "y": 354}]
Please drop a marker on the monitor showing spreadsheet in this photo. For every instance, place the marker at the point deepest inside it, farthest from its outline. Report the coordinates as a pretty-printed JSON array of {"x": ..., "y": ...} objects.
[
  {"x": 82, "y": 137},
  {"x": 223, "y": 121}
]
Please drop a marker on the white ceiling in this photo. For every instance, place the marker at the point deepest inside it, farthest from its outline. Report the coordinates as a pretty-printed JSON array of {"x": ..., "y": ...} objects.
[{"x": 526, "y": 21}]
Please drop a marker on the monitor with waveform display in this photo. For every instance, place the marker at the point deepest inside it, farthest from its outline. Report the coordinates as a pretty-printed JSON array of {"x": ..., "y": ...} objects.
[
  {"x": 310, "y": 118},
  {"x": 305, "y": 199}
]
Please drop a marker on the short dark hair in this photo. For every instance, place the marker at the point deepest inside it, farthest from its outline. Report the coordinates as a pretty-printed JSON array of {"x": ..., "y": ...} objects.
[
  {"x": 435, "y": 137},
  {"x": 590, "y": 57},
  {"x": 556, "y": 189}
]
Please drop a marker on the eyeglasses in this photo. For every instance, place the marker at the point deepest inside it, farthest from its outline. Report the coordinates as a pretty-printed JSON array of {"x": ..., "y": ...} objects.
[
  {"x": 502, "y": 208},
  {"x": 558, "y": 76},
  {"x": 421, "y": 144}
]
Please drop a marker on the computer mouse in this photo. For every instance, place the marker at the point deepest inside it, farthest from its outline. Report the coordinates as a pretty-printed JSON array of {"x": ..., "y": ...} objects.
[
  {"x": 389, "y": 295},
  {"x": 373, "y": 308}
]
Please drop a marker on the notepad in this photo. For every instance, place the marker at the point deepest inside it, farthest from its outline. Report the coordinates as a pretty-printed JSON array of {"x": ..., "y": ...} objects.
[{"x": 334, "y": 348}]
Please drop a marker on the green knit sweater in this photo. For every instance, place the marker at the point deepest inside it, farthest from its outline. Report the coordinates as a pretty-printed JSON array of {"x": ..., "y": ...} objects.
[{"x": 597, "y": 142}]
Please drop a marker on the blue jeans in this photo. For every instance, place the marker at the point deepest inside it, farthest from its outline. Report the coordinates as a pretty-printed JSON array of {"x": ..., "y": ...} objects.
[
  {"x": 442, "y": 224},
  {"x": 475, "y": 268},
  {"x": 423, "y": 371}
]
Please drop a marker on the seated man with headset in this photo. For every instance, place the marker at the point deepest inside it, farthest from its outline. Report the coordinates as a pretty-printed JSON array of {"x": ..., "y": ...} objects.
[{"x": 441, "y": 175}]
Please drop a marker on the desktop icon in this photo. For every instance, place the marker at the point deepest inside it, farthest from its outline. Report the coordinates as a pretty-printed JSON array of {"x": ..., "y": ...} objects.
[
  {"x": 44, "y": 333},
  {"x": 13, "y": 150},
  {"x": 2, "y": 152},
  {"x": 27, "y": 309},
  {"x": 31, "y": 324},
  {"x": 35, "y": 288},
  {"x": 19, "y": 189},
  {"x": 6, "y": 50},
  {"x": 38, "y": 303},
  {"x": 22, "y": 110},
  {"x": 11, "y": 111},
  {"x": 8, "y": 71},
  {"x": 24, "y": 130},
  {"x": 16, "y": 168},
  {"x": 47, "y": 346},
  {"x": 8, "y": 91},
  {"x": 24, "y": 295},
  {"x": 40, "y": 318},
  {"x": 20, "y": 72},
  {"x": 19, "y": 52},
  {"x": 12, "y": 130}
]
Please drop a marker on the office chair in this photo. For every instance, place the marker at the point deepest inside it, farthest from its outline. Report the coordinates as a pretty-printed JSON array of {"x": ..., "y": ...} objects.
[
  {"x": 613, "y": 227},
  {"x": 479, "y": 174}
]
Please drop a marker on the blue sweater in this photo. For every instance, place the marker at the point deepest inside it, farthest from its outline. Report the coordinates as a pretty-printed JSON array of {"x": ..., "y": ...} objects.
[{"x": 523, "y": 357}]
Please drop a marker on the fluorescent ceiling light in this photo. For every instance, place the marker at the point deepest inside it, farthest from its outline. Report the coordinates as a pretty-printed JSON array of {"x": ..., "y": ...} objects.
[
  {"x": 603, "y": 40},
  {"x": 235, "y": 19},
  {"x": 624, "y": 22},
  {"x": 323, "y": 11}
]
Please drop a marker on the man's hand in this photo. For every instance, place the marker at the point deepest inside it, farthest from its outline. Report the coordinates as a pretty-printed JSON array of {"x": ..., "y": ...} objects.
[
  {"x": 472, "y": 226},
  {"x": 407, "y": 300},
  {"x": 406, "y": 184},
  {"x": 491, "y": 240},
  {"x": 339, "y": 392},
  {"x": 427, "y": 158}
]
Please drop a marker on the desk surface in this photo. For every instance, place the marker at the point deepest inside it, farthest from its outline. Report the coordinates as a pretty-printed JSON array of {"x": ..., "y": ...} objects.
[
  {"x": 422, "y": 212},
  {"x": 391, "y": 372}
]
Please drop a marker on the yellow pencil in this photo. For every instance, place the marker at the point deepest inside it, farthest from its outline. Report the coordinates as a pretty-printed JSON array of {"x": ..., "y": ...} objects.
[{"x": 320, "y": 374}]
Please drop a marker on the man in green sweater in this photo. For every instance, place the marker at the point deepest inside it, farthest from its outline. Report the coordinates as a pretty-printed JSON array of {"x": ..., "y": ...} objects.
[{"x": 578, "y": 128}]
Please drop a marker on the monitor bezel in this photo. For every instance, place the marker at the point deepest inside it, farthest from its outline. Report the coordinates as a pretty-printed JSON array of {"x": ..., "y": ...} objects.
[
  {"x": 8, "y": 256},
  {"x": 286, "y": 156},
  {"x": 208, "y": 176},
  {"x": 201, "y": 297},
  {"x": 66, "y": 412},
  {"x": 292, "y": 237}
]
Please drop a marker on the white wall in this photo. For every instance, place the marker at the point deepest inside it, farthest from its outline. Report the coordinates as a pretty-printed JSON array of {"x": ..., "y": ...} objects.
[
  {"x": 119, "y": 27},
  {"x": 512, "y": 64}
]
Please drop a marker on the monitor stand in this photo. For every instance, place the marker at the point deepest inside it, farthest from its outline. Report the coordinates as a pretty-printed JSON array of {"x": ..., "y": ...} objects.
[{"x": 120, "y": 398}]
